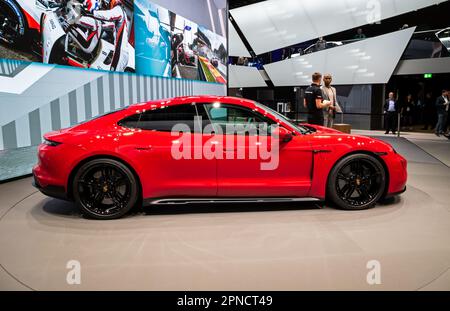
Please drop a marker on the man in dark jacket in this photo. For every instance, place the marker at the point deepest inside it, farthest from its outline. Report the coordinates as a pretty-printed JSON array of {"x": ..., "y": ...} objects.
[
  {"x": 314, "y": 101},
  {"x": 442, "y": 108},
  {"x": 428, "y": 111},
  {"x": 391, "y": 112}
]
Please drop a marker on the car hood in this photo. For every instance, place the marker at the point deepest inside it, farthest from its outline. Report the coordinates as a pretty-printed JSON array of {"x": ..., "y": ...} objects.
[{"x": 324, "y": 136}]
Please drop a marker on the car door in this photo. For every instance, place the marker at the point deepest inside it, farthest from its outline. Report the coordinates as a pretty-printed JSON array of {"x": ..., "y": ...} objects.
[
  {"x": 159, "y": 151},
  {"x": 246, "y": 170}
]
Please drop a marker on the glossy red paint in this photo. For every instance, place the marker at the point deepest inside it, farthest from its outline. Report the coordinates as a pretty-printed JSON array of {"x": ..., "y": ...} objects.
[{"x": 304, "y": 162}]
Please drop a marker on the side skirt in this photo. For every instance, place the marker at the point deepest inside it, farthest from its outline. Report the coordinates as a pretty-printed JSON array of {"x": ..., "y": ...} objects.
[{"x": 179, "y": 201}]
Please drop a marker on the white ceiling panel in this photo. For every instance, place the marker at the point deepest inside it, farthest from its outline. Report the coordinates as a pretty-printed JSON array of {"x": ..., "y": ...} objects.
[
  {"x": 274, "y": 24},
  {"x": 368, "y": 61},
  {"x": 235, "y": 45},
  {"x": 243, "y": 76}
]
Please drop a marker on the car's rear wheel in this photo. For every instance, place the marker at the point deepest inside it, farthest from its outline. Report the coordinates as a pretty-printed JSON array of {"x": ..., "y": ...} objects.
[
  {"x": 357, "y": 182},
  {"x": 105, "y": 189},
  {"x": 13, "y": 25}
]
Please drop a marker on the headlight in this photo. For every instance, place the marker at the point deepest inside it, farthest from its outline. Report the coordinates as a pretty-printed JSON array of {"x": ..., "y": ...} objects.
[{"x": 51, "y": 143}]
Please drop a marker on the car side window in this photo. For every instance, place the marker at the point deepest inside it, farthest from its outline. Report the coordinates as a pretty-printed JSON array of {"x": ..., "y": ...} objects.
[
  {"x": 238, "y": 120},
  {"x": 163, "y": 119}
]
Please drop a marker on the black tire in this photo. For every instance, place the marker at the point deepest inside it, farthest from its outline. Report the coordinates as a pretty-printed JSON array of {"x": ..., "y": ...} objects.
[
  {"x": 356, "y": 182},
  {"x": 11, "y": 10},
  {"x": 105, "y": 189}
]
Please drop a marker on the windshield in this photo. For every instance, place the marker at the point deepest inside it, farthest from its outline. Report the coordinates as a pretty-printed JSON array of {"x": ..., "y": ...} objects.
[{"x": 291, "y": 123}]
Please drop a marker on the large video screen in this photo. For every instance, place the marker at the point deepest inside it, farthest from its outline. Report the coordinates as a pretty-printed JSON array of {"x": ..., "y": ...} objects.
[
  {"x": 170, "y": 45},
  {"x": 113, "y": 35},
  {"x": 94, "y": 34}
]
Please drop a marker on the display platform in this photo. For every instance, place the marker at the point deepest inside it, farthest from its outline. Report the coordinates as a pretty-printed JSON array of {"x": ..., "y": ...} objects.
[{"x": 233, "y": 247}]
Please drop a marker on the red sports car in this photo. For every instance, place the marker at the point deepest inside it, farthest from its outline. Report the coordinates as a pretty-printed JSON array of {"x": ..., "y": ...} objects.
[{"x": 135, "y": 156}]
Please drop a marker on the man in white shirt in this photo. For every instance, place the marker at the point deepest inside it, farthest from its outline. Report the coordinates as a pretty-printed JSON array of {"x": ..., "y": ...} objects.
[
  {"x": 329, "y": 93},
  {"x": 391, "y": 111}
]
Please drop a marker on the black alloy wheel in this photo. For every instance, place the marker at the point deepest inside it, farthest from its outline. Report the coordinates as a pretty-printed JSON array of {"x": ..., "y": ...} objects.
[
  {"x": 357, "y": 182},
  {"x": 105, "y": 189},
  {"x": 12, "y": 22}
]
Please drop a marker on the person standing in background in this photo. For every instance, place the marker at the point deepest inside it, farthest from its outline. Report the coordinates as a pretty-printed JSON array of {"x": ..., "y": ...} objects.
[
  {"x": 321, "y": 45},
  {"x": 442, "y": 105},
  {"x": 391, "y": 110},
  {"x": 359, "y": 35},
  {"x": 407, "y": 112},
  {"x": 329, "y": 93},
  {"x": 314, "y": 101},
  {"x": 428, "y": 111}
]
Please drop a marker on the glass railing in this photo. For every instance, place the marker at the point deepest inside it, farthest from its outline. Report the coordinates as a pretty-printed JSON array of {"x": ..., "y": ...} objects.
[{"x": 428, "y": 44}]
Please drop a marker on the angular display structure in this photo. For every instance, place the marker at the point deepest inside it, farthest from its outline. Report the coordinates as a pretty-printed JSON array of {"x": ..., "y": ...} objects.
[
  {"x": 363, "y": 62},
  {"x": 274, "y": 24}
]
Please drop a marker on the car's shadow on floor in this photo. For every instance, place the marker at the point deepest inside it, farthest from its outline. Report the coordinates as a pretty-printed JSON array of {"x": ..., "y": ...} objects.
[
  {"x": 69, "y": 209},
  {"x": 196, "y": 208}
]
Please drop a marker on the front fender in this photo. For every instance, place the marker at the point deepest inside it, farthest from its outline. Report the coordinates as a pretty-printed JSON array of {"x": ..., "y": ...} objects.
[{"x": 329, "y": 149}]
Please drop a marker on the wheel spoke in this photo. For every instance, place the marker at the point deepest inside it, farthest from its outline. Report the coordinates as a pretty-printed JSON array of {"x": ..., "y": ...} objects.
[
  {"x": 98, "y": 197},
  {"x": 106, "y": 172},
  {"x": 350, "y": 191},
  {"x": 366, "y": 193},
  {"x": 118, "y": 199},
  {"x": 355, "y": 167},
  {"x": 343, "y": 177},
  {"x": 89, "y": 183},
  {"x": 345, "y": 188}
]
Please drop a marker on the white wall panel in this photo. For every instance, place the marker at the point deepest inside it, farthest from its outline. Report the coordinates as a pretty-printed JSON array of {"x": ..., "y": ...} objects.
[
  {"x": 64, "y": 111},
  {"x": 94, "y": 98},
  {"x": 273, "y": 24},
  {"x": 364, "y": 62},
  {"x": 81, "y": 108},
  {"x": 45, "y": 116},
  {"x": 243, "y": 76},
  {"x": 236, "y": 46},
  {"x": 23, "y": 131}
]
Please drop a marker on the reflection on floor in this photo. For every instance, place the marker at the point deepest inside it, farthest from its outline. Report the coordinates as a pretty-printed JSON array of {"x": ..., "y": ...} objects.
[
  {"x": 435, "y": 147},
  {"x": 225, "y": 247},
  {"x": 17, "y": 162}
]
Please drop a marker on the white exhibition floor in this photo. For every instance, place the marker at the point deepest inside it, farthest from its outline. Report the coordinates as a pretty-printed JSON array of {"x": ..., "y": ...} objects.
[{"x": 245, "y": 247}]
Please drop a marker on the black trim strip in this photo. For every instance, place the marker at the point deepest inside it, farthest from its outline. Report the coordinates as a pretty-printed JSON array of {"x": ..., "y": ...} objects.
[{"x": 52, "y": 191}]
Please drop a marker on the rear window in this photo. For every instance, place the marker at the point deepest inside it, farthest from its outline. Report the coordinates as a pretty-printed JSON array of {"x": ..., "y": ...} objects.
[{"x": 163, "y": 119}]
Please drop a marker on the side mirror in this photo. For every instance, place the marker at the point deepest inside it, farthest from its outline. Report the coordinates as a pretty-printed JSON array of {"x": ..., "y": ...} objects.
[{"x": 284, "y": 135}]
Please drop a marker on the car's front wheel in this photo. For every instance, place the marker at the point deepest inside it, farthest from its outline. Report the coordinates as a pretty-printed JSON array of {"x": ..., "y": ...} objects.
[
  {"x": 105, "y": 189},
  {"x": 357, "y": 182}
]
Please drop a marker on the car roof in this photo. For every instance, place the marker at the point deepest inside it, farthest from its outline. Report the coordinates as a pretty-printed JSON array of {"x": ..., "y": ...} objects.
[{"x": 193, "y": 99}]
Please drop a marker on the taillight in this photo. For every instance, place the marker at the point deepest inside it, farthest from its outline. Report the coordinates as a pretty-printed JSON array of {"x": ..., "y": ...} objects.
[{"x": 51, "y": 143}]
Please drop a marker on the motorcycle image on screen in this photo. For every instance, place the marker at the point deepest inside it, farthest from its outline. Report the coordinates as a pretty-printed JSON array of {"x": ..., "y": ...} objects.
[{"x": 73, "y": 36}]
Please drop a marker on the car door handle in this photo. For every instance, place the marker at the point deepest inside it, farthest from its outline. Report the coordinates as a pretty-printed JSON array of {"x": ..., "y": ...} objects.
[{"x": 144, "y": 148}]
